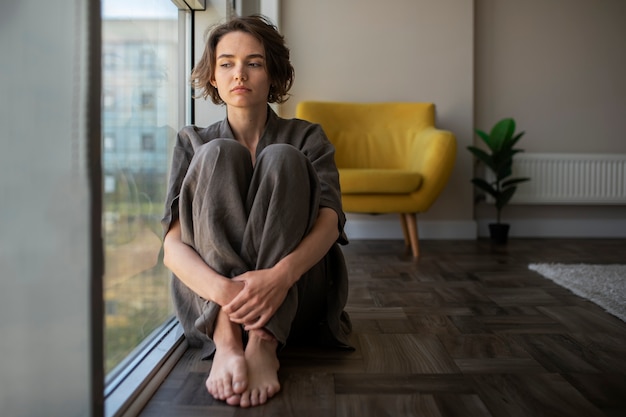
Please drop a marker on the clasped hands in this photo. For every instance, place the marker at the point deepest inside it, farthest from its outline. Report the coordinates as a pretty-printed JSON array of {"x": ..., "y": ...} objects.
[{"x": 257, "y": 296}]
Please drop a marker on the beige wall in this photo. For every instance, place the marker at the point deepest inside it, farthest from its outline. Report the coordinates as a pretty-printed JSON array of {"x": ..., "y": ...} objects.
[{"x": 557, "y": 66}]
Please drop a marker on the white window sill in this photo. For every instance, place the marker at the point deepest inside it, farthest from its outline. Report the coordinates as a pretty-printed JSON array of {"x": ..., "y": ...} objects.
[{"x": 132, "y": 383}]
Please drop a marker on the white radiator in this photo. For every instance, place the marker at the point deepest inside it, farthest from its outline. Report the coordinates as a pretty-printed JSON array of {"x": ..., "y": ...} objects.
[{"x": 570, "y": 178}]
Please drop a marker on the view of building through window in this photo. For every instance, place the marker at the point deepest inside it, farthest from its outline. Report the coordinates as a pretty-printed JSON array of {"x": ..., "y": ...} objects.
[{"x": 140, "y": 109}]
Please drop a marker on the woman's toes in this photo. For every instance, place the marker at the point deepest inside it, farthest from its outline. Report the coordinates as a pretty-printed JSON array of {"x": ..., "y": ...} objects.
[
  {"x": 244, "y": 399},
  {"x": 234, "y": 400},
  {"x": 239, "y": 382},
  {"x": 210, "y": 386},
  {"x": 222, "y": 391},
  {"x": 254, "y": 397}
]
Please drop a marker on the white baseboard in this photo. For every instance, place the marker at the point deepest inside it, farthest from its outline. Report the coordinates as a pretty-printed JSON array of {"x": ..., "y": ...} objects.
[
  {"x": 364, "y": 226},
  {"x": 360, "y": 226},
  {"x": 561, "y": 228}
]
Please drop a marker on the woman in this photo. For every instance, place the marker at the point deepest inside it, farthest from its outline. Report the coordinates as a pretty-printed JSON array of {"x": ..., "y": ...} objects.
[{"x": 253, "y": 219}]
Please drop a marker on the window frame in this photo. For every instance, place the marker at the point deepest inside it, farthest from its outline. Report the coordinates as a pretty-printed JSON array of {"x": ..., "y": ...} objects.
[{"x": 131, "y": 384}]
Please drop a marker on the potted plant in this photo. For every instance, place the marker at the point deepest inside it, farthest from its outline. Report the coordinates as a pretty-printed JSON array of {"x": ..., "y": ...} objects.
[{"x": 499, "y": 160}]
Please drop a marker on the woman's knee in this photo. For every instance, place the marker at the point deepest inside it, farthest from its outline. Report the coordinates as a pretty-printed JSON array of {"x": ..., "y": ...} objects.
[
  {"x": 280, "y": 154},
  {"x": 220, "y": 152}
]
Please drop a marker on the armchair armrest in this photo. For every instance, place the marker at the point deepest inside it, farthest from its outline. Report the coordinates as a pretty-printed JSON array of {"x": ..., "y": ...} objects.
[{"x": 433, "y": 156}]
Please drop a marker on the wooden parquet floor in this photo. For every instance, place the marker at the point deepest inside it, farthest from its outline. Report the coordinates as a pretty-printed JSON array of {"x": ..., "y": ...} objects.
[{"x": 466, "y": 330}]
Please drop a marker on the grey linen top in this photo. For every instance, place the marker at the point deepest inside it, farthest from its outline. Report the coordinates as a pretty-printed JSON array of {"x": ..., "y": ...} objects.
[{"x": 311, "y": 140}]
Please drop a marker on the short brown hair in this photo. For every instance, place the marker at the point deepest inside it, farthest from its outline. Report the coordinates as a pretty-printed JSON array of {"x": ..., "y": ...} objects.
[{"x": 279, "y": 68}]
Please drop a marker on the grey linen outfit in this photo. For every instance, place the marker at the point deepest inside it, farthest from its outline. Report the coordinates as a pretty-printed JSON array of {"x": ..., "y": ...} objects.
[{"x": 240, "y": 217}]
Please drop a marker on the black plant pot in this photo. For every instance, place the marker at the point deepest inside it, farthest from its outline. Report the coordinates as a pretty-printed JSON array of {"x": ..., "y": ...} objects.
[{"x": 499, "y": 233}]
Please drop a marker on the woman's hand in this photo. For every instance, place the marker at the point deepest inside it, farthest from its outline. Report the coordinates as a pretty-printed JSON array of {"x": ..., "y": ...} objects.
[
  {"x": 265, "y": 290},
  {"x": 263, "y": 293}
]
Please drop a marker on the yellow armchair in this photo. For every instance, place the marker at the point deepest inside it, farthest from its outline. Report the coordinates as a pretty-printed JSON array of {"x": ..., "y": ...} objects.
[{"x": 390, "y": 156}]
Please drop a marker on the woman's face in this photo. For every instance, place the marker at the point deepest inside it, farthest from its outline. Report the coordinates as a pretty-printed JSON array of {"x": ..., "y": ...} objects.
[{"x": 240, "y": 71}]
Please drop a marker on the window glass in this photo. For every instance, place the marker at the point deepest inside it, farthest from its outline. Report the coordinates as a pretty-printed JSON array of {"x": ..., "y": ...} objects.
[{"x": 139, "y": 121}]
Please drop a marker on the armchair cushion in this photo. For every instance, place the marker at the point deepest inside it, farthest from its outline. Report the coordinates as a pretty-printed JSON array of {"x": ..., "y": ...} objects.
[{"x": 378, "y": 181}]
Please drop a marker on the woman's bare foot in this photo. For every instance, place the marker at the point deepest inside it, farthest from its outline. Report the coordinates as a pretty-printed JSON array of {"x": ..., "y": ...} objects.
[
  {"x": 262, "y": 364},
  {"x": 228, "y": 378}
]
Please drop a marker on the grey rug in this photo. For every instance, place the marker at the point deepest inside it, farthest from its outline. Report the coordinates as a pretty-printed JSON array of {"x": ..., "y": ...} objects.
[{"x": 604, "y": 285}]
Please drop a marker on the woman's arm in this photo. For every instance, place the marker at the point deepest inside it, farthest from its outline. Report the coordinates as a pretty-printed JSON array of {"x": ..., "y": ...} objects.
[
  {"x": 265, "y": 290},
  {"x": 312, "y": 248},
  {"x": 191, "y": 269}
]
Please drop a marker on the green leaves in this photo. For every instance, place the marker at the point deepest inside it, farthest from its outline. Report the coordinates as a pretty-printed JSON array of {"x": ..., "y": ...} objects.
[
  {"x": 501, "y": 136},
  {"x": 500, "y": 141}
]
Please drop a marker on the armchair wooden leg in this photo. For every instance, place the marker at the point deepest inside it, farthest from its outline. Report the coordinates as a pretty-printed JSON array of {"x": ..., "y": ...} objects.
[
  {"x": 405, "y": 230},
  {"x": 411, "y": 223}
]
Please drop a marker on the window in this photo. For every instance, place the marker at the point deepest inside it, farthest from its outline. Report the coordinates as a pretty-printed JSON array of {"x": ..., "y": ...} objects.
[
  {"x": 147, "y": 142},
  {"x": 147, "y": 59},
  {"x": 139, "y": 39},
  {"x": 109, "y": 99},
  {"x": 147, "y": 101},
  {"x": 108, "y": 60},
  {"x": 108, "y": 142}
]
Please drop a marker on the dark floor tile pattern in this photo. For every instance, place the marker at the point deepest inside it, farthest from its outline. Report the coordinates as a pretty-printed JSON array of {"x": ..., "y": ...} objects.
[{"x": 466, "y": 330}]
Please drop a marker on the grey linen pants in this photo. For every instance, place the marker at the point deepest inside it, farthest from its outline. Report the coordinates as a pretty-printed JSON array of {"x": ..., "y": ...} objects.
[{"x": 240, "y": 217}]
